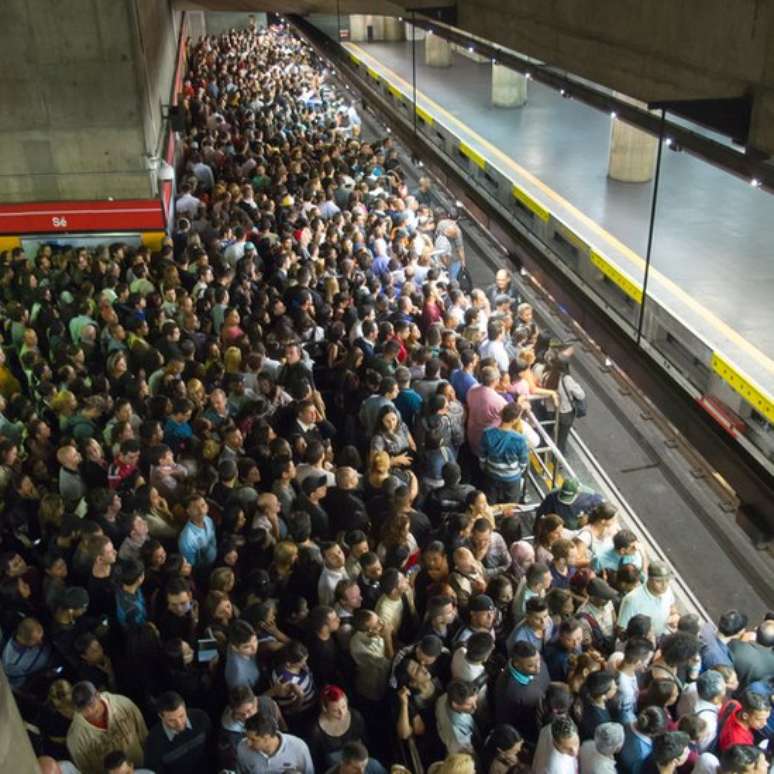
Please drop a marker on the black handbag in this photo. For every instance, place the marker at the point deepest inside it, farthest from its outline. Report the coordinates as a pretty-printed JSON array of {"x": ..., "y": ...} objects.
[{"x": 465, "y": 280}]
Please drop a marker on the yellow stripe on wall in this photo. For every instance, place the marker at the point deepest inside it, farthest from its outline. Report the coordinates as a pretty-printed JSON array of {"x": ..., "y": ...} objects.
[
  {"x": 9, "y": 242},
  {"x": 615, "y": 275},
  {"x": 743, "y": 386},
  {"x": 425, "y": 116},
  {"x": 153, "y": 239},
  {"x": 533, "y": 206},
  {"x": 474, "y": 156}
]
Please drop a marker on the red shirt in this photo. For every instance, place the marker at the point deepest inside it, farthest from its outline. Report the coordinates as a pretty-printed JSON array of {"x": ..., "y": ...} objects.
[{"x": 733, "y": 732}]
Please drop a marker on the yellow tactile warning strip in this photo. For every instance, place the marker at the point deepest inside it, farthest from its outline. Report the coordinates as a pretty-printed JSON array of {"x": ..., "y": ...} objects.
[{"x": 542, "y": 210}]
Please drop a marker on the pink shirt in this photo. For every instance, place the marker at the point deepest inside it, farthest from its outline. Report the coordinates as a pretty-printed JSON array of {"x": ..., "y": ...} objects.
[{"x": 484, "y": 407}]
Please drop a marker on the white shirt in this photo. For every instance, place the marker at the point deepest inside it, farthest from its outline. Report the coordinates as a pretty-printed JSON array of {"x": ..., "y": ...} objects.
[
  {"x": 548, "y": 760},
  {"x": 691, "y": 703},
  {"x": 187, "y": 205},
  {"x": 628, "y": 692},
  {"x": 234, "y": 253},
  {"x": 642, "y": 602},
  {"x": 326, "y": 586},
  {"x": 706, "y": 764},
  {"x": 495, "y": 349},
  {"x": 593, "y": 762}
]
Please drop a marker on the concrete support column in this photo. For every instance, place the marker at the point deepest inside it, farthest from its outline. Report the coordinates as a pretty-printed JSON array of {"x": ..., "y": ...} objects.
[
  {"x": 509, "y": 88},
  {"x": 419, "y": 33},
  {"x": 357, "y": 28},
  {"x": 438, "y": 51},
  {"x": 359, "y": 25},
  {"x": 393, "y": 29},
  {"x": 632, "y": 153}
]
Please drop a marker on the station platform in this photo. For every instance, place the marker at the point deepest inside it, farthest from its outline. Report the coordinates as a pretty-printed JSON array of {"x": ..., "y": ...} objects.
[
  {"x": 711, "y": 553},
  {"x": 712, "y": 261}
]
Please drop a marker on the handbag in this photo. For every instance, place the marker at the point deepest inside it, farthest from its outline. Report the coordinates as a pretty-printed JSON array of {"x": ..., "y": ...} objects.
[
  {"x": 464, "y": 280},
  {"x": 579, "y": 406}
]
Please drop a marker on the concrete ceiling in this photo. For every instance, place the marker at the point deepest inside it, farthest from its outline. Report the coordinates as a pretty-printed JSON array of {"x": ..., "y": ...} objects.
[{"x": 652, "y": 50}]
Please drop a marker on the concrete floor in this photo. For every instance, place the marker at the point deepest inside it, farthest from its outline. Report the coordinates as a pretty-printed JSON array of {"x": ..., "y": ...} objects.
[{"x": 711, "y": 235}]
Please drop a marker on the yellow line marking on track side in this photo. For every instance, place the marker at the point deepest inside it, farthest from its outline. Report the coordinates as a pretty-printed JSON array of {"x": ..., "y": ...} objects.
[
  {"x": 474, "y": 156},
  {"x": 722, "y": 327},
  {"x": 742, "y": 385},
  {"x": 520, "y": 194}
]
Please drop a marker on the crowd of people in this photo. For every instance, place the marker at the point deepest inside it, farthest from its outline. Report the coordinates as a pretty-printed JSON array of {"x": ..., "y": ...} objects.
[{"x": 264, "y": 503}]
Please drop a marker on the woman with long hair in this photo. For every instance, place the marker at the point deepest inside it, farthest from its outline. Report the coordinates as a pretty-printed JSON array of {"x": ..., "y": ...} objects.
[{"x": 557, "y": 378}]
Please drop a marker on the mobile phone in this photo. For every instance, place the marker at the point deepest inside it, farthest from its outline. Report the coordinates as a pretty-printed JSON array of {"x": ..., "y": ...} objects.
[{"x": 206, "y": 650}]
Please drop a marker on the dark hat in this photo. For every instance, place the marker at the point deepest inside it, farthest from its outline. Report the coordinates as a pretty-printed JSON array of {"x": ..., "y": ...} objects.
[
  {"x": 481, "y": 603},
  {"x": 313, "y": 482},
  {"x": 659, "y": 570},
  {"x": 601, "y": 589},
  {"x": 74, "y": 598}
]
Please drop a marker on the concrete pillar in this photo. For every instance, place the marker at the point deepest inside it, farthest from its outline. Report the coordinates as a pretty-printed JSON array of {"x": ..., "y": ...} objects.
[
  {"x": 419, "y": 33},
  {"x": 357, "y": 28},
  {"x": 359, "y": 24},
  {"x": 438, "y": 51},
  {"x": 632, "y": 153},
  {"x": 509, "y": 87},
  {"x": 393, "y": 29},
  {"x": 82, "y": 108}
]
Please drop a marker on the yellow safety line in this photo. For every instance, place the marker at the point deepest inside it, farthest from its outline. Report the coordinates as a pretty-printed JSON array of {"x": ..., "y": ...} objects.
[{"x": 716, "y": 322}]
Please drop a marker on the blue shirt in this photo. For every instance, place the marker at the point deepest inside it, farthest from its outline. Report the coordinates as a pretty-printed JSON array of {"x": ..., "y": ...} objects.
[
  {"x": 524, "y": 633},
  {"x": 462, "y": 381},
  {"x": 130, "y": 608},
  {"x": 409, "y": 404},
  {"x": 198, "y": 544},
  {"x": 714, "y": 651},
  {"x": 612, "y": 560},
  {"x": 240, "y": 670}
]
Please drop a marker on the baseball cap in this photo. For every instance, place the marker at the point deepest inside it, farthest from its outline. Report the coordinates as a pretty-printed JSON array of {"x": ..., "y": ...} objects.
[
  {"x": 481, "y": 603},
  {"x": 601, "y": 589},
  {"x": 569, "y": 491},
  {"x": 659, "y": 570},
  {"x": 249, "y": 246}
]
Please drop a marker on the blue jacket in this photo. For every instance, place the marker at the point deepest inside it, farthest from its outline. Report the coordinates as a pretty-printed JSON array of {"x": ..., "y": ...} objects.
[
  {"x": 504, "y": 454},
  {"x": 634, "y": 753}
]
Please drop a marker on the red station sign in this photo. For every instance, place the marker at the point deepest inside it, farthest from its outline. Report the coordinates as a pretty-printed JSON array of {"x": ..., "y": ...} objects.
[{"x": 81, "y": 217}]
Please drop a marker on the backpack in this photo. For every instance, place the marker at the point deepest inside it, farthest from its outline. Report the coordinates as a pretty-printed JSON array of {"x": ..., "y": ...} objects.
[
  {"x": 578, "y": 404},
  {"x": 723, "y": 715}
]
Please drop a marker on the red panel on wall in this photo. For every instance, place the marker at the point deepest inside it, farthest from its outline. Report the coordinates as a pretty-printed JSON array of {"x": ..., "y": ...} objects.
[{"x": 64, "y": 217}]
